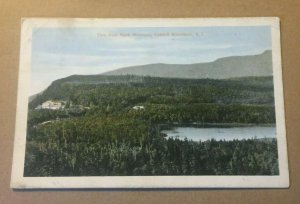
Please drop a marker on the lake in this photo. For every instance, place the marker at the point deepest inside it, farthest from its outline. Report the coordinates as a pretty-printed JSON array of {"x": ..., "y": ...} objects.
[{"x": 228, "y": 133}]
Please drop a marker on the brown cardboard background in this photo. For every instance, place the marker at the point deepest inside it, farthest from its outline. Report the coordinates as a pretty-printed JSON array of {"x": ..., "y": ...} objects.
[{"x": 12, "y": 10}]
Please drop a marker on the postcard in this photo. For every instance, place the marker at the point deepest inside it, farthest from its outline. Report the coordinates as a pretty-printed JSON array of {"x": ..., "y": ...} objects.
[{"x": 150, "y": 103}]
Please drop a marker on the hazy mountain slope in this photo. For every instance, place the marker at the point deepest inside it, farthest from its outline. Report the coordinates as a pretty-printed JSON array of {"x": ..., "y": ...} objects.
[{"x": 228, "y": 67}]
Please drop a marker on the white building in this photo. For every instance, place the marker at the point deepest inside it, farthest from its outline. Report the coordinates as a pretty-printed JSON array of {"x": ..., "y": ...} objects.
[
  {"x": 53, "y": 105},
  {"x": 138, "y": 107}
]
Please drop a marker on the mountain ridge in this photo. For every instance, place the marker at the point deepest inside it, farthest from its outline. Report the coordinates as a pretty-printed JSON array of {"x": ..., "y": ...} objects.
[{"x": 222, "y": 68}]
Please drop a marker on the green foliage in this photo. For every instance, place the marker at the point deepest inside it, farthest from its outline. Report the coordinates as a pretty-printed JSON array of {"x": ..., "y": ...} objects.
[
  {"x": 130, "y": 90},
  {"x": 99, "y": 132},
  {"x": 206, "y": 113},
  {"x": 109, "y": 146}
]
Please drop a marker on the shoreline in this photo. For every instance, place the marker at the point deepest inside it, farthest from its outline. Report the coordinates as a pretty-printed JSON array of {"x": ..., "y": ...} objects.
[{"x": 169, "y": 126}]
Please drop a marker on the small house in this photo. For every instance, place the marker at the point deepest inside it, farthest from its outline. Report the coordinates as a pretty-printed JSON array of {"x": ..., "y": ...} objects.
[{"x": 138, "y": 107}]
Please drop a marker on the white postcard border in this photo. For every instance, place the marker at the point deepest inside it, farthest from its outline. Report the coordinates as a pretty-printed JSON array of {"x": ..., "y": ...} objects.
[{"x": 18, "y": 181}]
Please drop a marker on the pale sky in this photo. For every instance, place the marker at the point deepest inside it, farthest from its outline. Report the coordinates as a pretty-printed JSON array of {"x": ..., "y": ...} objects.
[{"x": 60, "y": 52}]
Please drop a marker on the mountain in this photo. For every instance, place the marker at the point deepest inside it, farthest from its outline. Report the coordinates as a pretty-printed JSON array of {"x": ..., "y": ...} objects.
[
  {"x": 228, "y": 67},
  {"x": 32, "y": 97}
]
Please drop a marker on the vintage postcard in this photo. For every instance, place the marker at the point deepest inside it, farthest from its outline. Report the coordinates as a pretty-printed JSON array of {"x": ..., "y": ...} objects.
[{"x": 150, "y": 103}]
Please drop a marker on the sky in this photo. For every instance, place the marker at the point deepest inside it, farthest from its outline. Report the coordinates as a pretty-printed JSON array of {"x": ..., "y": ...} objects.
[{"x": 61, "y": 52}]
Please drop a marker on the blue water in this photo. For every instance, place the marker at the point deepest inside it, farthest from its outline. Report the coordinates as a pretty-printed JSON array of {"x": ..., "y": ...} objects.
[{"x": 239, "y": 133}]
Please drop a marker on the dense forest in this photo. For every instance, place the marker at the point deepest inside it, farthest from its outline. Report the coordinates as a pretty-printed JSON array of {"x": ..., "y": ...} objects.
[{"x": 107, "y": 136}]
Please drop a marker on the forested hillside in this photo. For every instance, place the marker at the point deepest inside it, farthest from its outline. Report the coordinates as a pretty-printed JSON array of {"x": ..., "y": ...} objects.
[{"x": 110, "y": 137}]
